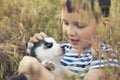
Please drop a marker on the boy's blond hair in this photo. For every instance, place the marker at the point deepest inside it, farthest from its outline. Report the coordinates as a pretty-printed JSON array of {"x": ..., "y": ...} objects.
[{"x": 76, "y": 5}]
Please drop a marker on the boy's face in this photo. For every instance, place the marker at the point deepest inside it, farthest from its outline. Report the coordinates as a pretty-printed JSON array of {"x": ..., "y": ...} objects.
[{"x": 79, "y": 31}]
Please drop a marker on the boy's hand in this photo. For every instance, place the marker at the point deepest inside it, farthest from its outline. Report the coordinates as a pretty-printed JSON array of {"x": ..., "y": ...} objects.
[
  {"x": 37, "y": 37},
  {"x": 48, "y": 65}
]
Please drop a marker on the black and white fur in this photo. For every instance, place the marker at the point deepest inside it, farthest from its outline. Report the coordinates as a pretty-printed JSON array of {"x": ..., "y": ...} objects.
[
  {"x": 45, "y": 49},
  {"x": 48, "y": 50}
]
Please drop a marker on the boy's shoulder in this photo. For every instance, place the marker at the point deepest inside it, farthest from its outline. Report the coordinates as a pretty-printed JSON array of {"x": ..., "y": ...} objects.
[
  {"x": 106, "y": 55},
  {"x": 104, "y": 50},
  {"x": 107, "y": 48}
]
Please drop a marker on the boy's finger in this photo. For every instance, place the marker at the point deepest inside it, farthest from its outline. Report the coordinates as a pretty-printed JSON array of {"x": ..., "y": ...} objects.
[
  {"x": 43, "y": 34},
  {"x": 33, "y": 39},
  {"x": 38, "y": 36}
]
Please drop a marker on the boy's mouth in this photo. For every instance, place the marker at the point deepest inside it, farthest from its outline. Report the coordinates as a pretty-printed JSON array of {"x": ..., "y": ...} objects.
[{"x": 74, "y": 41}]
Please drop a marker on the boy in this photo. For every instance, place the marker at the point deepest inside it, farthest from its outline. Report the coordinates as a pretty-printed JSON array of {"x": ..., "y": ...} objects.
[{"x": 79, "y": 27}]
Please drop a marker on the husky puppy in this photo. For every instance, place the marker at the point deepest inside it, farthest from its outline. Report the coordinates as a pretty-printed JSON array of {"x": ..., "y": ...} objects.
[{"x": 47, "y": 51}]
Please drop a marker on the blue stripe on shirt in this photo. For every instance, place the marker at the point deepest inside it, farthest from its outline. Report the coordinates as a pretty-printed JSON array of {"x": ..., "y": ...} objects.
[
  {"x": 104, "y": 63},
  {"x": 79, "y": 60}
]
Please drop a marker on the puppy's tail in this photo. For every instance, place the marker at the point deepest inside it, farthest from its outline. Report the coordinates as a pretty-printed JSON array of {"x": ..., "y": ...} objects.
[{"x": 17, "y": 77}]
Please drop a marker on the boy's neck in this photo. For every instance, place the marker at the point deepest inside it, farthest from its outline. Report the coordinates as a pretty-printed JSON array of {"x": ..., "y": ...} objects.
[{"x": 82, "y": 49}]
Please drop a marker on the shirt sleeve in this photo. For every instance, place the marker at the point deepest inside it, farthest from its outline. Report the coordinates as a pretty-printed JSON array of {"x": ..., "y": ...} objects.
[{"x": 106, "y": 56}]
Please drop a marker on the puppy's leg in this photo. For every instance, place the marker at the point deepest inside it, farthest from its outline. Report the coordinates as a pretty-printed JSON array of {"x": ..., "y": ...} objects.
[{"x": 35, "y": 70}]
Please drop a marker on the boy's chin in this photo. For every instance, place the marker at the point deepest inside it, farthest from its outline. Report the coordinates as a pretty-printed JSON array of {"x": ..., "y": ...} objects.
[{"x": 75, "y": 48}]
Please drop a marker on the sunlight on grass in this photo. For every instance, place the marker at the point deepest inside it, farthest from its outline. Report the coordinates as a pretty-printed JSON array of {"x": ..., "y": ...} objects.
[{"x": 21, "y": 19}]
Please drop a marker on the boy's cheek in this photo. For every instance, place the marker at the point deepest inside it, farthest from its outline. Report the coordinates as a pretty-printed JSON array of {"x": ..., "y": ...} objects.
[{"x": 64, "y": 31}]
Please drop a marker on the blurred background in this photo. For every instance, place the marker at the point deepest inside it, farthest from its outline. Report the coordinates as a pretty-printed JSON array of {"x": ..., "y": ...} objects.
[{"x": 21, "y": 19}]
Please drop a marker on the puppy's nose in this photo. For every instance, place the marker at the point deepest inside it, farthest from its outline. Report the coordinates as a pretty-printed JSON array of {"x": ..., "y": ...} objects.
[{"x": 48, "y": 45}]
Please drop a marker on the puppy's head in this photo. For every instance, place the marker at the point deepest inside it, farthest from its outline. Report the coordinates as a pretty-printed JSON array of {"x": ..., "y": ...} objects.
[{"x": 44, "y": 49}]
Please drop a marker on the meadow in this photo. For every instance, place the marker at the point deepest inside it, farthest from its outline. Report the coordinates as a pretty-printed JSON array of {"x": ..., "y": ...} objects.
[{"x": 21, "y": 19}]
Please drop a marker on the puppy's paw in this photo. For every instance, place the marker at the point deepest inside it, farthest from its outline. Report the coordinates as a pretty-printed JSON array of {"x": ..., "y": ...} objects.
[{"x": 49, "y": 65}]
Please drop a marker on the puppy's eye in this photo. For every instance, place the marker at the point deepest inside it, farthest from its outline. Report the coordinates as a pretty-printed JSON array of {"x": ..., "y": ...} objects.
[{"x": 48, "y": 45}]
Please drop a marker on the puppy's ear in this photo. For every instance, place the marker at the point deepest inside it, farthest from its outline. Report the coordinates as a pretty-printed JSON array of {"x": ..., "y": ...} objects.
[{"x": 29, "y": 46}]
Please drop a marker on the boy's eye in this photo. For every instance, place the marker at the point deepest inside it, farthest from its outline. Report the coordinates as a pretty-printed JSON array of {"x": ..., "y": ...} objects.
[{"x": 81, "y": 25}]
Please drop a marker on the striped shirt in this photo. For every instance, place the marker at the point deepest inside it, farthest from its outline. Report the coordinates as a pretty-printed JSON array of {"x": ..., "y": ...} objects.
[{"x": 84, "y": 61}]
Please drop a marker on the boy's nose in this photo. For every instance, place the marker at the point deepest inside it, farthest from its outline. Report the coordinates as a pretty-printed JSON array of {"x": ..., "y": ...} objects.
[{"x": 71, "y": 31}]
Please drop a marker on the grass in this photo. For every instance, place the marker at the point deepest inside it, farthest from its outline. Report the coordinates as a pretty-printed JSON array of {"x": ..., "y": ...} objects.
[{"x": 20, "y": 19}]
